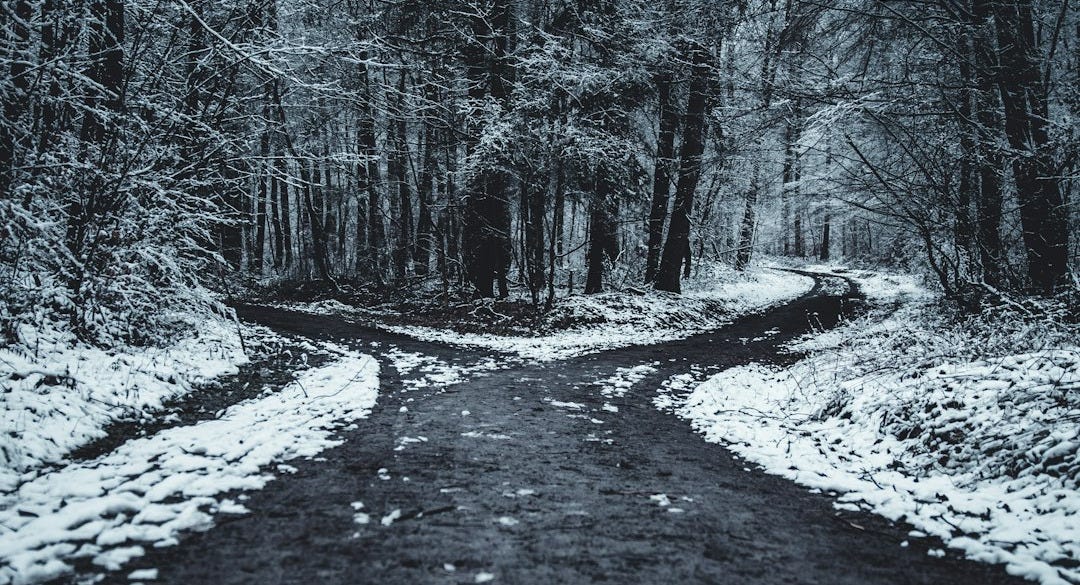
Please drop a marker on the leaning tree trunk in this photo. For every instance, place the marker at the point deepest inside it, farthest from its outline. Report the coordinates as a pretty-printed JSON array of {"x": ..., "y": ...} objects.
[{"x": 691, "y": 149}]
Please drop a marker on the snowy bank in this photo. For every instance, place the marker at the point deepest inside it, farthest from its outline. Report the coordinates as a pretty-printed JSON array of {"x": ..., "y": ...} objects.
[
  {"x": 909, "y": 416},
  {"x": 150, "y": 489},
  {"x": 59, "y": 394},
  {"x": 582, "y": 324}
]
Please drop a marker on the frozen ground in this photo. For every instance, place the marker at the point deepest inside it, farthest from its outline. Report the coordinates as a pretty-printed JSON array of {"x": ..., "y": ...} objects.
[
  {"x": 593, "y": 323},
  {"x": 969, "y": 433},
  {"x": 108, "y": 510}
]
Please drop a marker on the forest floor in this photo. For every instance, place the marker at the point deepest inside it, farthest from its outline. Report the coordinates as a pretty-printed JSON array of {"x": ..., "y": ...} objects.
[{"x": 476, "y": 463}]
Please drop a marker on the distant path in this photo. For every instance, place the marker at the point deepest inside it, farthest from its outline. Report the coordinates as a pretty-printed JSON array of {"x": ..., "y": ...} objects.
[{"x": 529, "y": 491}]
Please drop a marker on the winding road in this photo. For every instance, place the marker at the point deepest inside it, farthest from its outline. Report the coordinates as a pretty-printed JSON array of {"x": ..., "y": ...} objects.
[{"x": 529, "y": 475}]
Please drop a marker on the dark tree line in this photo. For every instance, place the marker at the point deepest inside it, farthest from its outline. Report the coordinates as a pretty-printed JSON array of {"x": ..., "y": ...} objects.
[{"x": 151, "y": 150}]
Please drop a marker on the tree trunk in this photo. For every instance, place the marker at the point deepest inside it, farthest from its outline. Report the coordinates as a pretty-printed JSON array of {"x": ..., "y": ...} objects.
[
  {"x": 425, "y": 226},
  {"x": 555, "y": 248},
  {"x": 826, "y": 236},
  {"x": 790, "y": 189},
  {"x": 262, "y": 193},
  {"x": 662, "y": 170},
  {"x": 798, "y": 246},
  {"x": 989, "y": 204},
  {"x": 397, "y": 168},
  {"x": 276, "y": 250},
  {"x": 536, "y": 203},
  {"x": 691, "y": 149},
  {"x": 374, "y": 254},
  {"x": 285, "y": 211},
  {"x": 603, "y": 239},
  {"x": 1043, "y": 215},
  {"x": 746, "y": 229},
  {"x": 963, "y": 227},
  {"x": 486, "y": 229}
]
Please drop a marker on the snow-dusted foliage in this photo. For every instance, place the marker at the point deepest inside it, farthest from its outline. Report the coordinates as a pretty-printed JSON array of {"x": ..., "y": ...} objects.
[
  {"x": 117, "y": 177},
  {"x": 967, "y": 428}
]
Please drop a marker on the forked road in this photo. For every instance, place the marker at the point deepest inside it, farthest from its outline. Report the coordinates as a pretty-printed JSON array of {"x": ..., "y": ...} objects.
[{"x": 523, "y": 489}]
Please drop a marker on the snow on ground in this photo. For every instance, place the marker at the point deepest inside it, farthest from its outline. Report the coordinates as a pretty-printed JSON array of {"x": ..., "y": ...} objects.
[
  {"x": 150, "y": 489},
  {"x": 624, "y": 379},
  {"x": 618, "y": 319},
  {"x": 672, "y": 391},
  {"x": 60, "y": 395},
  {"x": 877, "y": 286},
  {"x": 907, "y": 416},
  {"x": 434, "y": 372}
]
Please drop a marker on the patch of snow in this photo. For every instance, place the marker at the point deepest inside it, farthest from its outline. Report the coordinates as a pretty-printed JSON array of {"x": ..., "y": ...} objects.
[
  {"x": 433, "y": 372},
  {"x": 63, "y": 394},
  {"x": 390, "y": 518},
  {"x": 661, "y": 500},
  {"x": 624, "y": 379},
  {"x": 480, "y": 435},
  {"x": 909, "y": 418},
  {"x": 151, "y": 489},
  {"x": 143, "y": 575}
]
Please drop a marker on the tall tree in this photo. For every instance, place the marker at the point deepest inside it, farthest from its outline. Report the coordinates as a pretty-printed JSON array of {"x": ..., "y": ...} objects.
[
  {"x": 677, "y": 245},
  {"x": 1023, "y": 90}
]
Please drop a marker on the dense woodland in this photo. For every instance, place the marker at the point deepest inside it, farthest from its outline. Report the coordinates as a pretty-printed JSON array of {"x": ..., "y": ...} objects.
[{"x": 150, "y": 151}]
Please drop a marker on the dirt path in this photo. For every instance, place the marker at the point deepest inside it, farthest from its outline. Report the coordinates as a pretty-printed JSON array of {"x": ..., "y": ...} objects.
[{"x": 512, "y": 483}]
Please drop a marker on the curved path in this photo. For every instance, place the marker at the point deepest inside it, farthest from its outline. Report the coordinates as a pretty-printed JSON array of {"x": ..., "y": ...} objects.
[{"x": 511, "y": 483}]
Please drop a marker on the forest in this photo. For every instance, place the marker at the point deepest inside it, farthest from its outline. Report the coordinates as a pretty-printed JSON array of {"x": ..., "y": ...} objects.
[
  {"x": 539, "y": 291},
  {"x": 153, "y": 150}
]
